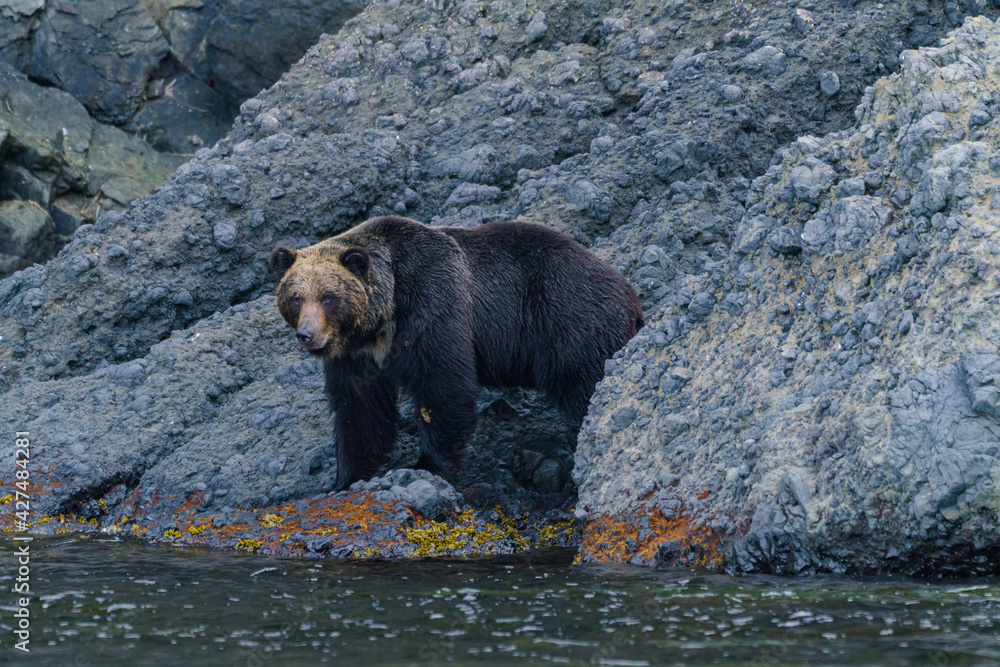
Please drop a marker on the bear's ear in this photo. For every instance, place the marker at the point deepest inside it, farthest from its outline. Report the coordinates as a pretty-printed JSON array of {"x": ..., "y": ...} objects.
[
  {"x": 357, "y": 260},
  {"x": 282, "y": 260}
]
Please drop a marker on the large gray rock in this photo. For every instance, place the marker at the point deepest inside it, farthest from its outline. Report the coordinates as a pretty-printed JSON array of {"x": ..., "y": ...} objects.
[
  {"x": 17, "y": 17},
  {"x": 173, "y": 72},
  {"x": 847, "y": 420},
  {"x": 182, "y": 114},
  {"x": 133, "y": 64},
  {"x": 26, "y": 233}
]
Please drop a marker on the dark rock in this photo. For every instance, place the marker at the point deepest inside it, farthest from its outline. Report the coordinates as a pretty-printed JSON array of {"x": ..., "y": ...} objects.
[
  {"x": 785, "y": 240},
  {"x": 184, "y": 116},
  {"x": 66, "y": 162},
  {"x": 239, "y": 47},
  {"x": 67, "y": 216},
  {"x": 17, "y": 18},
  {"x": 701, "y": 305},
  {"x": 102, "y": 53},
  {"x": 18, "y": 182}
]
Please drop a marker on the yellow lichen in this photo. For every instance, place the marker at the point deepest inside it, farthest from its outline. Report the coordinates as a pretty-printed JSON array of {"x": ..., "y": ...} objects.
[
  {"x": 555, "y": 531},
  {"x": 6, "y": 499},
  {"x": 510, "y": 526},
  {"x": 271, "y": 520},
  {"x": 196, "y": 530},
  {"x": 247, "y": 544},
  {"x": 438, "y": 538},
  {"x": 103, "y": 505},
  {"x": 172, "y": 533}
]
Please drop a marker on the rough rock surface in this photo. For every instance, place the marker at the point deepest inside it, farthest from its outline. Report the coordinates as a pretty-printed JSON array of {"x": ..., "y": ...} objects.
[
  {"x": 151, "y": 362},
  {"x": 834, "y": 404},
  {"x": 102, "y": 53},
  {"x": 24, "y": 229}
]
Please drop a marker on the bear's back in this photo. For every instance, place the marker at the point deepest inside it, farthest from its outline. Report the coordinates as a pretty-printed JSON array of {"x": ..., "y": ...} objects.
[{"x": 540, "y": 297}]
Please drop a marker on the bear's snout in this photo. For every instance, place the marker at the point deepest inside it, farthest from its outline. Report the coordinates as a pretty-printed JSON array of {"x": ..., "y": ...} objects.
[
  {"x": 310, "y": 332},
  {"x": 309, "y": 340}
]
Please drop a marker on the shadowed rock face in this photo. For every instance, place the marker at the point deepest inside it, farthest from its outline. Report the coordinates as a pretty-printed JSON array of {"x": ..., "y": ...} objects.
[
  {"x": 149, "y": 360},
  {"x": 239, "y": 47},
  {"x": 163, "y": 68},
  {"x": 102, "y": 53},
  {"x": 54, "y": 156}
]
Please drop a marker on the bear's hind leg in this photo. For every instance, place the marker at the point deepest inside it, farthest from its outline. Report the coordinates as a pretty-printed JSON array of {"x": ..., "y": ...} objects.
[
  {"x": 446, "y": 417},
  {"x": 572, "y": 396}
]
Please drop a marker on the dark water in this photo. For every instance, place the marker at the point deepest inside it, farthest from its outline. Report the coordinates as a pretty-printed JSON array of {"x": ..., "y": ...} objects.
[{"x": 101, "y": 601}]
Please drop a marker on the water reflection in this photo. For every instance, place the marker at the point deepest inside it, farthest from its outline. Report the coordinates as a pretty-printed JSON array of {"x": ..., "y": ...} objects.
[{"x": 102, "y": 601}]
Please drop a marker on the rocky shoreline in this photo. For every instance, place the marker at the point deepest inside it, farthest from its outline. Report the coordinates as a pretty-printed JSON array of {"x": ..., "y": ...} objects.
[{"x": 801, "y": 201}]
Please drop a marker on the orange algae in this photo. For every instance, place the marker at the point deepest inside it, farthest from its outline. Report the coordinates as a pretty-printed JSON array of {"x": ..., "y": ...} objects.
[
  {"x": 606, "y": 539},
  {"x": 285, "y": 529}
]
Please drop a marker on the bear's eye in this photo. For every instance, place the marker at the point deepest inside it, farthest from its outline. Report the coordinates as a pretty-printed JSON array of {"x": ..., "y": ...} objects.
[
  {"x": 327, "y": 299},
  {"x": 296, "y": 302}
]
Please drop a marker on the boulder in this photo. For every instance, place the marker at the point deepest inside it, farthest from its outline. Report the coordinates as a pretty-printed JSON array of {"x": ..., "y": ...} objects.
[
  {"x": 22, "y": 226},
  {"x": 239, "y": 47},
  {"x": 848, "y": 421},
  {"x": 17, "y": 17},
  {"x": 26, "y": 231}
]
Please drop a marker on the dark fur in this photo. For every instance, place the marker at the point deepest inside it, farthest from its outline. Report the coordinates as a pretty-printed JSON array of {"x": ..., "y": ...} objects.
[{"x": 504, "y": 304}]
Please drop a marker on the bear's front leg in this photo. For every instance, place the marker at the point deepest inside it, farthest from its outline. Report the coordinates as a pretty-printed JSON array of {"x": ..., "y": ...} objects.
[{"x": 366, "y": 419}]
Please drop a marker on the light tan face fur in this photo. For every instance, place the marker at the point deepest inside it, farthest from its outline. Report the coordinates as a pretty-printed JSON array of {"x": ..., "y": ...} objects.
[{"x": 321, "y": 297}]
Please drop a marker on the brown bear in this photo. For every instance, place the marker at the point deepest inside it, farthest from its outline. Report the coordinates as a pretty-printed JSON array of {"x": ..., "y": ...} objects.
[{"x": 440, "y": 311}]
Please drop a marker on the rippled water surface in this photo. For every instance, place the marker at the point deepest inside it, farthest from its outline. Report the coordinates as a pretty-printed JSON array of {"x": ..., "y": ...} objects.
[{"x": 100, "y": 601}]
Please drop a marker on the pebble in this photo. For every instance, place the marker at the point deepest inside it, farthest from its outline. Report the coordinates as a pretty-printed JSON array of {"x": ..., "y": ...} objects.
[{"x": 829, "y": 83}]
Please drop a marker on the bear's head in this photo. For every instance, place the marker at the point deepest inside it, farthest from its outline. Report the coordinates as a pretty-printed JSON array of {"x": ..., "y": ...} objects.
[{"x": 326, "y": 294}]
